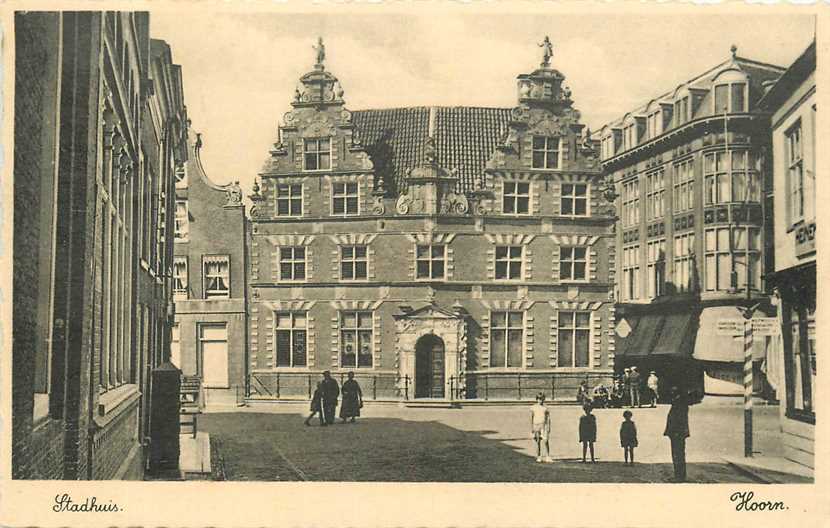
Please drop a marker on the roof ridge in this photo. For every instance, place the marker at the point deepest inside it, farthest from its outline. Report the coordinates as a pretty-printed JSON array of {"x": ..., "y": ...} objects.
[{"x": 427, "y": 107}]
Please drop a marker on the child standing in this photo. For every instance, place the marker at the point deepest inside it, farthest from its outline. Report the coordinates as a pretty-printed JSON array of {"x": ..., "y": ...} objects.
[
  {"x": 628, "y": 436},
  {"x": 588, "y": 431},
  {"x": 540, "y": 427},
  {"x": 316, "y": 404}
]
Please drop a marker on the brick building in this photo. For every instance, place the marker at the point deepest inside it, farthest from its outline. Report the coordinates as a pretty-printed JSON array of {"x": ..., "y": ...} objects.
[
  {"x": 98, "y": 130},
  {"x": 792, "y": 104},
  {"x": 209, "y": 337},
  {"x": 437, "y": 252},
  {"x": 691, "y": 241}
]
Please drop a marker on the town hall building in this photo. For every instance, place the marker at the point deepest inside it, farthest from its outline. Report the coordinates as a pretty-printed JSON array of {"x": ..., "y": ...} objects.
[{"x": 437, "y": 252}]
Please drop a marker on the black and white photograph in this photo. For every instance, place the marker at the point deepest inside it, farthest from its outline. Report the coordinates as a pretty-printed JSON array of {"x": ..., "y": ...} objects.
[{"x": 284, "y": 247}]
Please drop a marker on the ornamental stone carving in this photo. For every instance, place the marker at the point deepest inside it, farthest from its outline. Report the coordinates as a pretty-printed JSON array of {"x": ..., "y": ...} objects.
[{"x": 378, "y": 208}]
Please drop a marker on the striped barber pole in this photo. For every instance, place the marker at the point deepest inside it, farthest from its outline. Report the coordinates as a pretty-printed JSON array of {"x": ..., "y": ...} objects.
[{"x": 748, "y": 388}]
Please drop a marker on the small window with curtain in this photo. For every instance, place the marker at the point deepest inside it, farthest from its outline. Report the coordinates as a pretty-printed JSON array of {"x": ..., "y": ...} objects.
[
  {"x": 217, "y": 276},
  {"x": 179, "y": 278}
]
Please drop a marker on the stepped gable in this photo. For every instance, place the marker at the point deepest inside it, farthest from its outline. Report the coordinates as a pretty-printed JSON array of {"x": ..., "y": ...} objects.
[{"x": 465, "y": 138}]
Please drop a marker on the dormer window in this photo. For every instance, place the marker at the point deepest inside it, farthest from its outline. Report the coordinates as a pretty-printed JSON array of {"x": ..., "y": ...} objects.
[
  {"x": 317, "y": 154},
  {"x": 630, "y": 136},
  {"x": 608, "y": 147},
  {"x": 730, "y": 97},
  {"x": 681, "y": 110},
  {"x": 545, "y": 152},
  {"x": 654, "y": 124}
]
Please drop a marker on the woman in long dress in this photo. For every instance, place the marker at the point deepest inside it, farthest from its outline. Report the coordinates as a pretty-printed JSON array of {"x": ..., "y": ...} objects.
[{"x": 352, "y": 399}]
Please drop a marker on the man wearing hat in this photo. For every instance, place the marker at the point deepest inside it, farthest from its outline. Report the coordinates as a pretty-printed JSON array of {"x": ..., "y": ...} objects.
[
  {"x": 330, "y": 391},
  {"x": 652, "y": 383},
  {"x": 634, "y": 380},
  {"x": 626, "y": 379}
]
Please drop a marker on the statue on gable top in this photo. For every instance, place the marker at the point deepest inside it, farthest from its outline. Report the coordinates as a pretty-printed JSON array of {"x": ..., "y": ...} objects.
[
  {"x": 547, "y": 52},
  {"x": 320, "y": 48}
]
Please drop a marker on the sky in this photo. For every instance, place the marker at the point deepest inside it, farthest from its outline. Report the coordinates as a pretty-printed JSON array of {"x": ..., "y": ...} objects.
[{"x": 240, "y": 69}]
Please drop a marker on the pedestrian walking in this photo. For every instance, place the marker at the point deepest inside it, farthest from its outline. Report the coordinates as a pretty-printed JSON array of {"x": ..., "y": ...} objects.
[
  {"x": 634, "y": 387},
  {"x": 316, "y": 405},
  {"x": 588, "y": 431},
  {"x": 330, "y": 391},
  {"x": 653, "y": 387},
  {"x": 352, "y": 399},
  {"x": 626, "y": 382},
  {"x": 582, "y": 395},
  {"x": 628, "y": 436},
  {"x": 677, "y": 429},
  {"x": 540, "y": 428}
]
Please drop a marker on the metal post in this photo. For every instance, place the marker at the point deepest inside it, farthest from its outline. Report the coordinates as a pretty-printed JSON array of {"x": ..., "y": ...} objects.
[
  {"x": 374, "y": 387},
  {"x": 452, "y": 388},
  {"x": 309, "y": 386},
  {"x": 519, "y": 382},
  {"x": 748, "y": 388},
  {"x": 551, "y": 387},
  {"x": 278, "y": 385},
  {"x": 406, "y": 386},
  {"x": 486, "y": 387}
]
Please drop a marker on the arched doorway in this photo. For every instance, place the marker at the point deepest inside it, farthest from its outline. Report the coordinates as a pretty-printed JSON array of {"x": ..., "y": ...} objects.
[{"x": 429, "y": 367}]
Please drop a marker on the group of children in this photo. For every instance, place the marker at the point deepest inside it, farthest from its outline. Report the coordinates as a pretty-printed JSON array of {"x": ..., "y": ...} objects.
[{"x": 540, "y": 427}]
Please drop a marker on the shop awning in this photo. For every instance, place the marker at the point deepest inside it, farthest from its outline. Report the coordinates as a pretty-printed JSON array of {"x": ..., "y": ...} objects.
[
  {"x": 710, "y": 346},
  {"x": 676, "y": 335}
]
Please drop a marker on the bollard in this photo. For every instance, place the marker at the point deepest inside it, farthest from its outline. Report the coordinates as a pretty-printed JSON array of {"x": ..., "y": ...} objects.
[{"x": 165, "y": 426}]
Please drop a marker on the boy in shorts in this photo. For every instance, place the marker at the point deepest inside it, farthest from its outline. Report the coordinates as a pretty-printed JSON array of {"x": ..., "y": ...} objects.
[{"x": 540, "y": 427}]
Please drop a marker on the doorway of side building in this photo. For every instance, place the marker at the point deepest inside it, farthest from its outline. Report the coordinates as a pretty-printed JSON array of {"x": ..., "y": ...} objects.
[
  {"x": 213, "y": 355},
  {"x": 429, "y": 367}
]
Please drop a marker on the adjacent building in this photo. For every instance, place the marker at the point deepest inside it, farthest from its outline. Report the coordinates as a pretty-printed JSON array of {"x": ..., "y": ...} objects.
[
  {"x": 209, "y": 337},
  {"x": 792, "y": 103},
  {"x": 437, "y": 252},
  {"x": 99, "y": 129},
  {"x": 691, "y": 242}
]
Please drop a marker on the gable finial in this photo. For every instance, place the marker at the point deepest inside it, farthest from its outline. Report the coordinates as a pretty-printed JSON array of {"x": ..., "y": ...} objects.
[{"x": 734, "y": 51}]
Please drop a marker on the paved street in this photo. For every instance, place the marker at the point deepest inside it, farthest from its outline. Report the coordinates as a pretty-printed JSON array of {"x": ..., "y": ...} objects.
[{"x": 474, "y": 444}]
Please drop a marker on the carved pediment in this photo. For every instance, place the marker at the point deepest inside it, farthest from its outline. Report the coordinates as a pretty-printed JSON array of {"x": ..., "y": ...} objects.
[{"x": 429, "y": 311}]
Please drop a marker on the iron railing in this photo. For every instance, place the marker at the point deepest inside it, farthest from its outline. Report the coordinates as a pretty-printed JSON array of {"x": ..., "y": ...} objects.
[{"x": 301, "y": 385}]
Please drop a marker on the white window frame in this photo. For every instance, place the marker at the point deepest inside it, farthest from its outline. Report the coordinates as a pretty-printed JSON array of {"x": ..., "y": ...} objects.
[
  {"x": 293, "y": 330},
  {"x": 653, "y": 124},
  {"x": 344, "y": 196},
  {"x": 290, "y": 199},
  {"x": 292, "y": 260},
  {"x": 655, "y": 194},
  {"x": 720, "y": 177},
  {"x": 510, "y": 262},
  {"x": 631, "y": 273},
  {"x": 353, "y": 261},
  {"x": 182, "y": 225},
  {"x": 216, "y": 293},
  {"x": 506, "y": 330},
  {"x": 794, "y": 145},
  {"x": 180, "y": 278},
  {"x": 574, "y": 198},
  {"x": 571, "y": 261},
  {"x": 181, "y": 177},
  {"x": 551, "y": 154},
  {"x": 684, "y": 189},
  {"x": 730, "y": 100},
  {"x": 684, "y": 261},
  {"x": 317, "y": 153},
  {"x": 656, "y": 267},
  {"x": 731, "y": 256},
  {"x": 511, "y": 195},
  {"x": 573, "y": 329},
  {"x": 356, "y": 330},
  {"x": 631, "y": 202},
  {"x": 430, "y": 261}
]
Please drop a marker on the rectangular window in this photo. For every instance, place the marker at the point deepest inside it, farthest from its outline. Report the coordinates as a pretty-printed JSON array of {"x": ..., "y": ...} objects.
[
  {"x": 289, "y": 199},
  {"x": 681, "y": 111},
  {"x": 292, "y": 263},
  {"x": 631, "y": 203},
  {"x": 573, "y": 262},
  {"x": 684, "y": 247},
  {"x": 356, "y": 333},
  {"x": 653, "y": 124},
  {"x": 291, "y": 339},
  {"x": 180, "y": 278},
  {"x": 729, "y": 177},
  {"x": 182, "y": 227},
  {"x": 573, "y": 345},
  {"x": 217, "y": 276},
  {"x": 213, "y": 355},
  {"x": 181, "y": 177},
  {"x": 726, "y": 255},
  {"x": 175, "y": 346},
  {"x": 721, "y": 98},
  {"x": 430, "y": 261},
  {"x": 800, "y": 363},
  {"x": 354, "y": 263},
  {"x": 506, "y": 339},
  {"x": 545, "y": 152},
  {"x": 344, "y": 199},
  {"x": 795, "y": 174},
  {"x": 516, "y": 198},
  {"x": 655, "y": 195},
  {"x": 631, "y": 273},
  {"x": 656, "y": 267},
  {"x": 509, "y": 262},
  {"x": 608, "y": 149},
  {"x": 317, "y": 154},
  {"x": 684, "y": 195},
  {"x": 574, "y": 199}
]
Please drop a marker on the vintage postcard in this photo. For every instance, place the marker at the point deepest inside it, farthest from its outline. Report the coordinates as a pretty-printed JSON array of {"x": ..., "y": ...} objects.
[{"x": 397, "y": 265}]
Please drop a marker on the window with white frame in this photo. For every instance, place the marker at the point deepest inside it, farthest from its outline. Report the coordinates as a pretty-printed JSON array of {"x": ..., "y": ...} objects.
[
  {"x": 574, "y": 200},
  {"x": 430, "y": 261},
  {"x": 573, "y": 263},
  {"x": 631, "y": 273},
  {"x": 182, "y": 226},
  {"x": 574, "y": 339},
  {"x": 656, "y": 267},
  {"x": 516, "y": 198},
  {"x": 631, "y": 202},
  {"x": 545, "y": 152},
  {"x": 289, "y": 199},
  {"x": 653, "y": 124},
  {"x": 317, "y": 154},
  {"x": 354, "y": 262},
  {"x": 730, "y": 97},
  {"x": 344, "y": 199},
  {"x": 216, "y": 273},
  {"x": 681, "y": 110},
  {"x": 726, "y": 258},
  {"x": 292, "y": 263},
  {"x": 356, "y": 334},
  {"x": 684, "y": 190},
  {"x": 630, "y": 136},
  {"x": 509, "y": 261},
  {"x": 181, "y": 177},
  {"x": 684, "y": 247},
  {"x": 608, "y": 147},
  {"x": 655, "y": 194},
  {"x": 507, "y": 331},
  {"x": 795, "y": 174},
  {"x": 291, "y": 339},
  {"x": 180, "y": 291},
  {"x": 728, "y": 176}
]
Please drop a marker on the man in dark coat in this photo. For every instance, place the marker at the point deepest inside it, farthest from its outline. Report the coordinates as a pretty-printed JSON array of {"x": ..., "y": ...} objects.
[
  {"x": 677, "y": 429},
  {"x": 634, "y": 385},
  {"x": 330, "y": 390},
  {"x": 626, "y": 383}
]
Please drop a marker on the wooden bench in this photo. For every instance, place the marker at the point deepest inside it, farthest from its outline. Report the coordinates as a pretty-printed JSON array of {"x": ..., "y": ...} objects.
[{"x": 190, "y": 402}]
